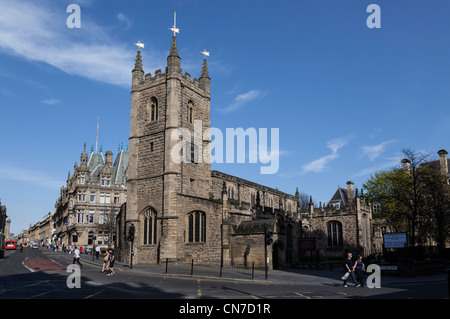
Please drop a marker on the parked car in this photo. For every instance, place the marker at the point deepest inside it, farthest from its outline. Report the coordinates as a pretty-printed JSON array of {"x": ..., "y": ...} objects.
[{"x": 88, "y": 251}]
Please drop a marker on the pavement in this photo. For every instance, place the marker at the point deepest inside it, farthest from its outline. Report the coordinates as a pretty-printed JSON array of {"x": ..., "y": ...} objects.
[{"x": 286, "y": 276}]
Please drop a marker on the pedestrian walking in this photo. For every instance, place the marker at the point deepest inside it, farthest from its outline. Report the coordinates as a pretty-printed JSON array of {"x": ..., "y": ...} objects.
[
  {"x": 76, "y": 256},
  {"x": 359, "y": 268},
  {"x": 97, "y": 251},
  {"x": 111, "y": 263},
  {"x": 349, "y": 268},
  {"x": 105, "y": 261}
]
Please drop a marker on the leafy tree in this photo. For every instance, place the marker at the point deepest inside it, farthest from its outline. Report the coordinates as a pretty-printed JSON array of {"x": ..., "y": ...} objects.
[
  {"x": 414, "y": 198},
  {"x": 436, "y": 220}
]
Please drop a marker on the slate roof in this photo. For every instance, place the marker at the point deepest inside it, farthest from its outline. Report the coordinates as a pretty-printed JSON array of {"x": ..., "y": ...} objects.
[
  {"x": 436, "y": 164},
  {"x": 340, "y": 196},
  {"x": 96, "y": 163}
]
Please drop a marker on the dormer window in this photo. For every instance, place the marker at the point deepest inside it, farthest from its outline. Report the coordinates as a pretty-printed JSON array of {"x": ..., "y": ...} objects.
[
  {"x": 82, "y": 179},
  {"x": 105, "y": 181}
]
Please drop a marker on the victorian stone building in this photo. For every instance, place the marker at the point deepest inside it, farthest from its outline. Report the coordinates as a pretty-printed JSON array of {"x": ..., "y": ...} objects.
[
  {"x": 91, "y": 199},
  {"x": 182, "y": 210},
  {"x": 4, "y": 221},
  {"x": 4, "y": 228},
  {"x": 41, "y": 232}
]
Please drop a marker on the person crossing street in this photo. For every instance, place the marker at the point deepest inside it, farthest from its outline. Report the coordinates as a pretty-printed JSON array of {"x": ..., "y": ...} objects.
[{"x": 76, "y": 256}]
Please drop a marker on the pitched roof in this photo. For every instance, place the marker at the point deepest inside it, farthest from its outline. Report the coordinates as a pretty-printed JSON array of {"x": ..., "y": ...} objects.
[
  {"x": 436, "y": 164},
  {"x": 96, "y": 164},
  {"x": 340, "y": 196}
]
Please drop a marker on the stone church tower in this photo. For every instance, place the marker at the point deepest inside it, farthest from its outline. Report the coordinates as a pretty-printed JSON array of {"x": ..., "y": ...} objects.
[
  {"x": 164, "y": 166},
  {"x": 182, "y": 211}
]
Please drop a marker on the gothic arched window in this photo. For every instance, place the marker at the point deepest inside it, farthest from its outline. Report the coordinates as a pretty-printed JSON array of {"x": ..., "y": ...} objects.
[
  {"x": 334, "y": 234},
  {"x": 365, "y": 230},
  {"x": 196, "y": 226},
  {"x": 190, "y": 110},
  {"x": 148, "y": 219},
  {"x": 153, "y": 109}
]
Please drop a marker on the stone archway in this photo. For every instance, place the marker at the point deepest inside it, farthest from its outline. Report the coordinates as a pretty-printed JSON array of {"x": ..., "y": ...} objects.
[{"x": 277, "y": 254}]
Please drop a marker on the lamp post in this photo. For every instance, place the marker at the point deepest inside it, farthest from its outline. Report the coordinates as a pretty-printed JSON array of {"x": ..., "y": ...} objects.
[
  {"x": 267, "y": 241},
  {"x": 93, "y": 247}
]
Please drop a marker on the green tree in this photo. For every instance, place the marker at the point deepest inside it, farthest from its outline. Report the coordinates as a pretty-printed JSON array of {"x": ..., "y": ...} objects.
[
  {"x": 413, "y": 198},
  {"x": 436, "y": 220}
]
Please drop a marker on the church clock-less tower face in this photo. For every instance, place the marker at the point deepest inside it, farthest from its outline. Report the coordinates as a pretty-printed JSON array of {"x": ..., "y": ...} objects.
[{"x": 162, "y": 106}]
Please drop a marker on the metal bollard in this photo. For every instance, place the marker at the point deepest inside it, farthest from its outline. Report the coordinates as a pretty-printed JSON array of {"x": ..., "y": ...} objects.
[
  {"x": 167, "y": 262},
  {"x": 448, "y": 281},
  {"x": 253, "y": 270}
]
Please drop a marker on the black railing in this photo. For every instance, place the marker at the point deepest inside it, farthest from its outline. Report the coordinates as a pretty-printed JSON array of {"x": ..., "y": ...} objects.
[{"x": 192, "y": 268}]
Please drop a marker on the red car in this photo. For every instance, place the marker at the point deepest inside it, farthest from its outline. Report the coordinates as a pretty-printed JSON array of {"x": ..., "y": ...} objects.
[{"x": 10, "y": 244}]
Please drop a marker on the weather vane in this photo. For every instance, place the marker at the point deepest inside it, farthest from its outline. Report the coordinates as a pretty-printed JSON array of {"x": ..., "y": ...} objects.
[
  {"x": 139, "y": 45},
  {"x": 174, "y": 28},
  {"x": 205, "y": 53}
]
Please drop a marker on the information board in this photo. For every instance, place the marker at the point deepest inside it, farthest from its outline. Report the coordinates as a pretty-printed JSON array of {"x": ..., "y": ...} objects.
[
  {"x": 394, "y": 240},
  {"x": 307, "y": 244}
]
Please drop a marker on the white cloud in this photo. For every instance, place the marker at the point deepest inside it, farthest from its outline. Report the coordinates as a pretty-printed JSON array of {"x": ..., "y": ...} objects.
[
  {"x": 390, "y": 163},
  {"x": 124, "y": 19},
  {"x": 38, "y": 32},
  {"x": 18, "y": 174},
  {"x": 242, "y": 99},
  {"x": 376, "y": 150},
  {"x": 320, "y": 164},
  {"x": 250, "y": 95},
  {"x": 51, "y": 101}
]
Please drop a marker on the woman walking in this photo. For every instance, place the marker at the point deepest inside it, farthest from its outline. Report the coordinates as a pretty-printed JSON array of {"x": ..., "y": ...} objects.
[
  {"x": 359, "y": 267},
  {"x": 111, "y": 263}
]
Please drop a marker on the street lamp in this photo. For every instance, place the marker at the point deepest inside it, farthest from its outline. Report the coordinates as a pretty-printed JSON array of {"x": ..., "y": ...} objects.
[{"x": 93, "y": 246}]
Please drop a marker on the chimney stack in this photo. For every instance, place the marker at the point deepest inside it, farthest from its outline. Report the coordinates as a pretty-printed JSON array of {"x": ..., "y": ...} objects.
[
  {"x": 350, "y": 191},
  {"x": 109, "y": 157},
  {"x": 443, "y": 161},
  {"x": 406, "y": 164}
]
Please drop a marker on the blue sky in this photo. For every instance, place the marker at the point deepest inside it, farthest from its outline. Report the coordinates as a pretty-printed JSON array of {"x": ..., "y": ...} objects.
[{"x": 346, "y": 98}]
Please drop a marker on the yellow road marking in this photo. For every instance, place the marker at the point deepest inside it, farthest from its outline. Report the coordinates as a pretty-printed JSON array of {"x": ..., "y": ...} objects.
[
  {"x": 301, "y": 295},
  {"x": 199, "y": 291}
]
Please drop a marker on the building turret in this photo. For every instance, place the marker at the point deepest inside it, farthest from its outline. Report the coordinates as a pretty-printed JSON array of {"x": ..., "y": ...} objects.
[
  {"x": 205, "y": 80},
  {"x": 84, "y": 159},
  {"x": 138, "y": 71},
  {"x": 173, "y": 60}
]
